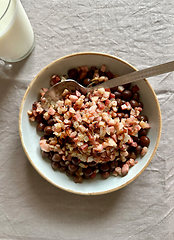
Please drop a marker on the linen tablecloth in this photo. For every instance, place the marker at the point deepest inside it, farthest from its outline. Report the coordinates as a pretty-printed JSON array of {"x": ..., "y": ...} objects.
[{"x": 140, "y": 32}]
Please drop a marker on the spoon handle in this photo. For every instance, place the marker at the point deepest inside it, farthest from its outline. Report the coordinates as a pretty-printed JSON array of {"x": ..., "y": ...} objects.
[{"x": 137, "y": 75}]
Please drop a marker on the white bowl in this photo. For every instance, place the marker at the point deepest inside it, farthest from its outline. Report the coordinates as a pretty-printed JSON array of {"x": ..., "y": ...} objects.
[{"x": 30, "y": 138}]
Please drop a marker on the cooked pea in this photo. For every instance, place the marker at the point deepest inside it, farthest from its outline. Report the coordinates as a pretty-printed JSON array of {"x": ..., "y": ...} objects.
[
  {"x": 73, "y": 73},
  {"x": 138, "y": 149},
  {"x": 126, "y": 95},
  {"x": 72, "y": 168},
  {"x": 55, "y": 165},
  {"x": 78, "y": 179},
  {"x": 136, "y": 96},
  {"x": 144, "y": 141},
  {"x": 75, "y": 161},
  {"x": 117, "y": 94},
  {"x": 87, "y": 171},
  {"x": 48, "y": 130},
  {"x": 86, "y": 82},
  {"x": 143, "y": 118},
  {"x": 50, "y": 122},
  {"x": 40, "y": 126},
  {"x": 56, "y": 157},
  {"x": 134, "y": 103},
  {"x": 104, "y": 167},
  {"x": 105, "y": 175},
  {"x": 142, "y": 132}
]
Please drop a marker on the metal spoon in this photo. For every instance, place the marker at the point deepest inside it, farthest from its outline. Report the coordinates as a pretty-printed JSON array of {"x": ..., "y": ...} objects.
[{"x": 55, "y": 92}]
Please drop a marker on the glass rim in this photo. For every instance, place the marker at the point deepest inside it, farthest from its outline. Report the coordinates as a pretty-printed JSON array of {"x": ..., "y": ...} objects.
[{"x": 5, "y": 10}]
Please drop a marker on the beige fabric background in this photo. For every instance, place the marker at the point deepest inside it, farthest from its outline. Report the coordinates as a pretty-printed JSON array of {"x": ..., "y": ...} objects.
[{"x": 140, "y": 32}]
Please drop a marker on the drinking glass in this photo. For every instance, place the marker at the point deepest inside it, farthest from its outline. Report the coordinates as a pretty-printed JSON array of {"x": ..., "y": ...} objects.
[{"x": 16, "y": 34}]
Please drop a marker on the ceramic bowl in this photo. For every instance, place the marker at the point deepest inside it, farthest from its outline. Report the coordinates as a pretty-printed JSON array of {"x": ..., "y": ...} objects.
[{"x": 30, "y": 138}]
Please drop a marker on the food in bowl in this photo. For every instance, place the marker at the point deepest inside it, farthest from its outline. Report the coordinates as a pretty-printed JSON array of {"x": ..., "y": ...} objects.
[{"x": 102, "y": 132}]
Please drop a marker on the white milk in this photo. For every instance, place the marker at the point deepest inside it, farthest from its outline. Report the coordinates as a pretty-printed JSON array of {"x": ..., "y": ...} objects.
[{"x": 16, "y": 33}]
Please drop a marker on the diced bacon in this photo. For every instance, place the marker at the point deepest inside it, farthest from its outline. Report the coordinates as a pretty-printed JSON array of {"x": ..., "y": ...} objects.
[
  {"x": 68, "y": 102},
  {"x": 71, "y": 110},
  {"x": 101, "y": 124},
  {"x": 107, "y": 102},
  {"x": 107, "y": 90},
  {"x": 91, "y": 137},
  {"x": 101, "y": 106},
  {"x": 68, "y": 130},
  {"x": 103, "y": 68},
  {"x": 123, "y": 106},
  {"x": 61, "y": 151},
  {"x": 65, "y": 92},
  {"x": 51, "y": 111},
  {"x": 101, "y": 90},
  {"x": 98, "y": 119},
  {"x": 125, "y": 169},
  {"x": 68, "y": 122},
  {"x": 98, "y": 148},
  {"x": 43, "y": 91},
  {"x": 134, "y": 144},
  {"x": 91, "y": 118},
  {"x": 135, "y": 89},
  {"x": 111, "y": 122},
  {"x": 84, "y": 68},
  {"x": 60, "y": 103},
  {"x": 90, "y": 159},
  {"x": 96, "y": 93},
  {"x": 114, "y": 114},
  {"x": 106, "y": 94},
  {"x": 123, "y": 153},
  {"x": 112, "y": 95},
  {"x": 144, "y": 151},
  {"x": 76, "y": 139},
  {"x": 112, "y": 129},
  {"x": 39, "y": 108},
  {"x": 57, "y": 127},
  {"x": 137, "y": 128},
  {"x": 32, "y": 118},
  {"x": 46, "y": 116},
  {"x": 145, "y": 125},
  {"x": 77, "y": 117},
  {"x": 95, "y": 98},
  {"x": 130, "y": 141},
  {"x": 44, "y": 145},
  {"x": 130, "y": 130},
  {"x": 73, "y": 134},
  {"x": 120, "y": 88},
  {"x": 138, "y": 108},
  {"x": 130, "y": 120},
  {"x": 91, "y": 126},
  {"x": 64, "y": 158},
  {"x": 111, "y": 142},
  {"x": 83, "y": 129},
  {"x": 92, "y": 109},
  {"x": 131, "y": 162},
  {"x": 78, "y": 94},
  {"x": 103, "y": 79},
  {"x": 126, "y": 137},
  {"x": 96, "y": 75},
  {"x": 128, "y": 106},
  {"x": 73, "y": 98},
  {"x": 84, "y": 147},
  {"x": 114, "y": 136},
  {"x": 117, "y": 171}
]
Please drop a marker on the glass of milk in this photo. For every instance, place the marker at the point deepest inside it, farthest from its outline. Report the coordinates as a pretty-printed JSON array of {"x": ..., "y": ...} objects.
[{"x": 16, "y": 34}]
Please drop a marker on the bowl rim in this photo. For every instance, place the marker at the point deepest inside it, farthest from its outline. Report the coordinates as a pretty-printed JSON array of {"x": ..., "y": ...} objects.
[{"x": 20, "y": 127}]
